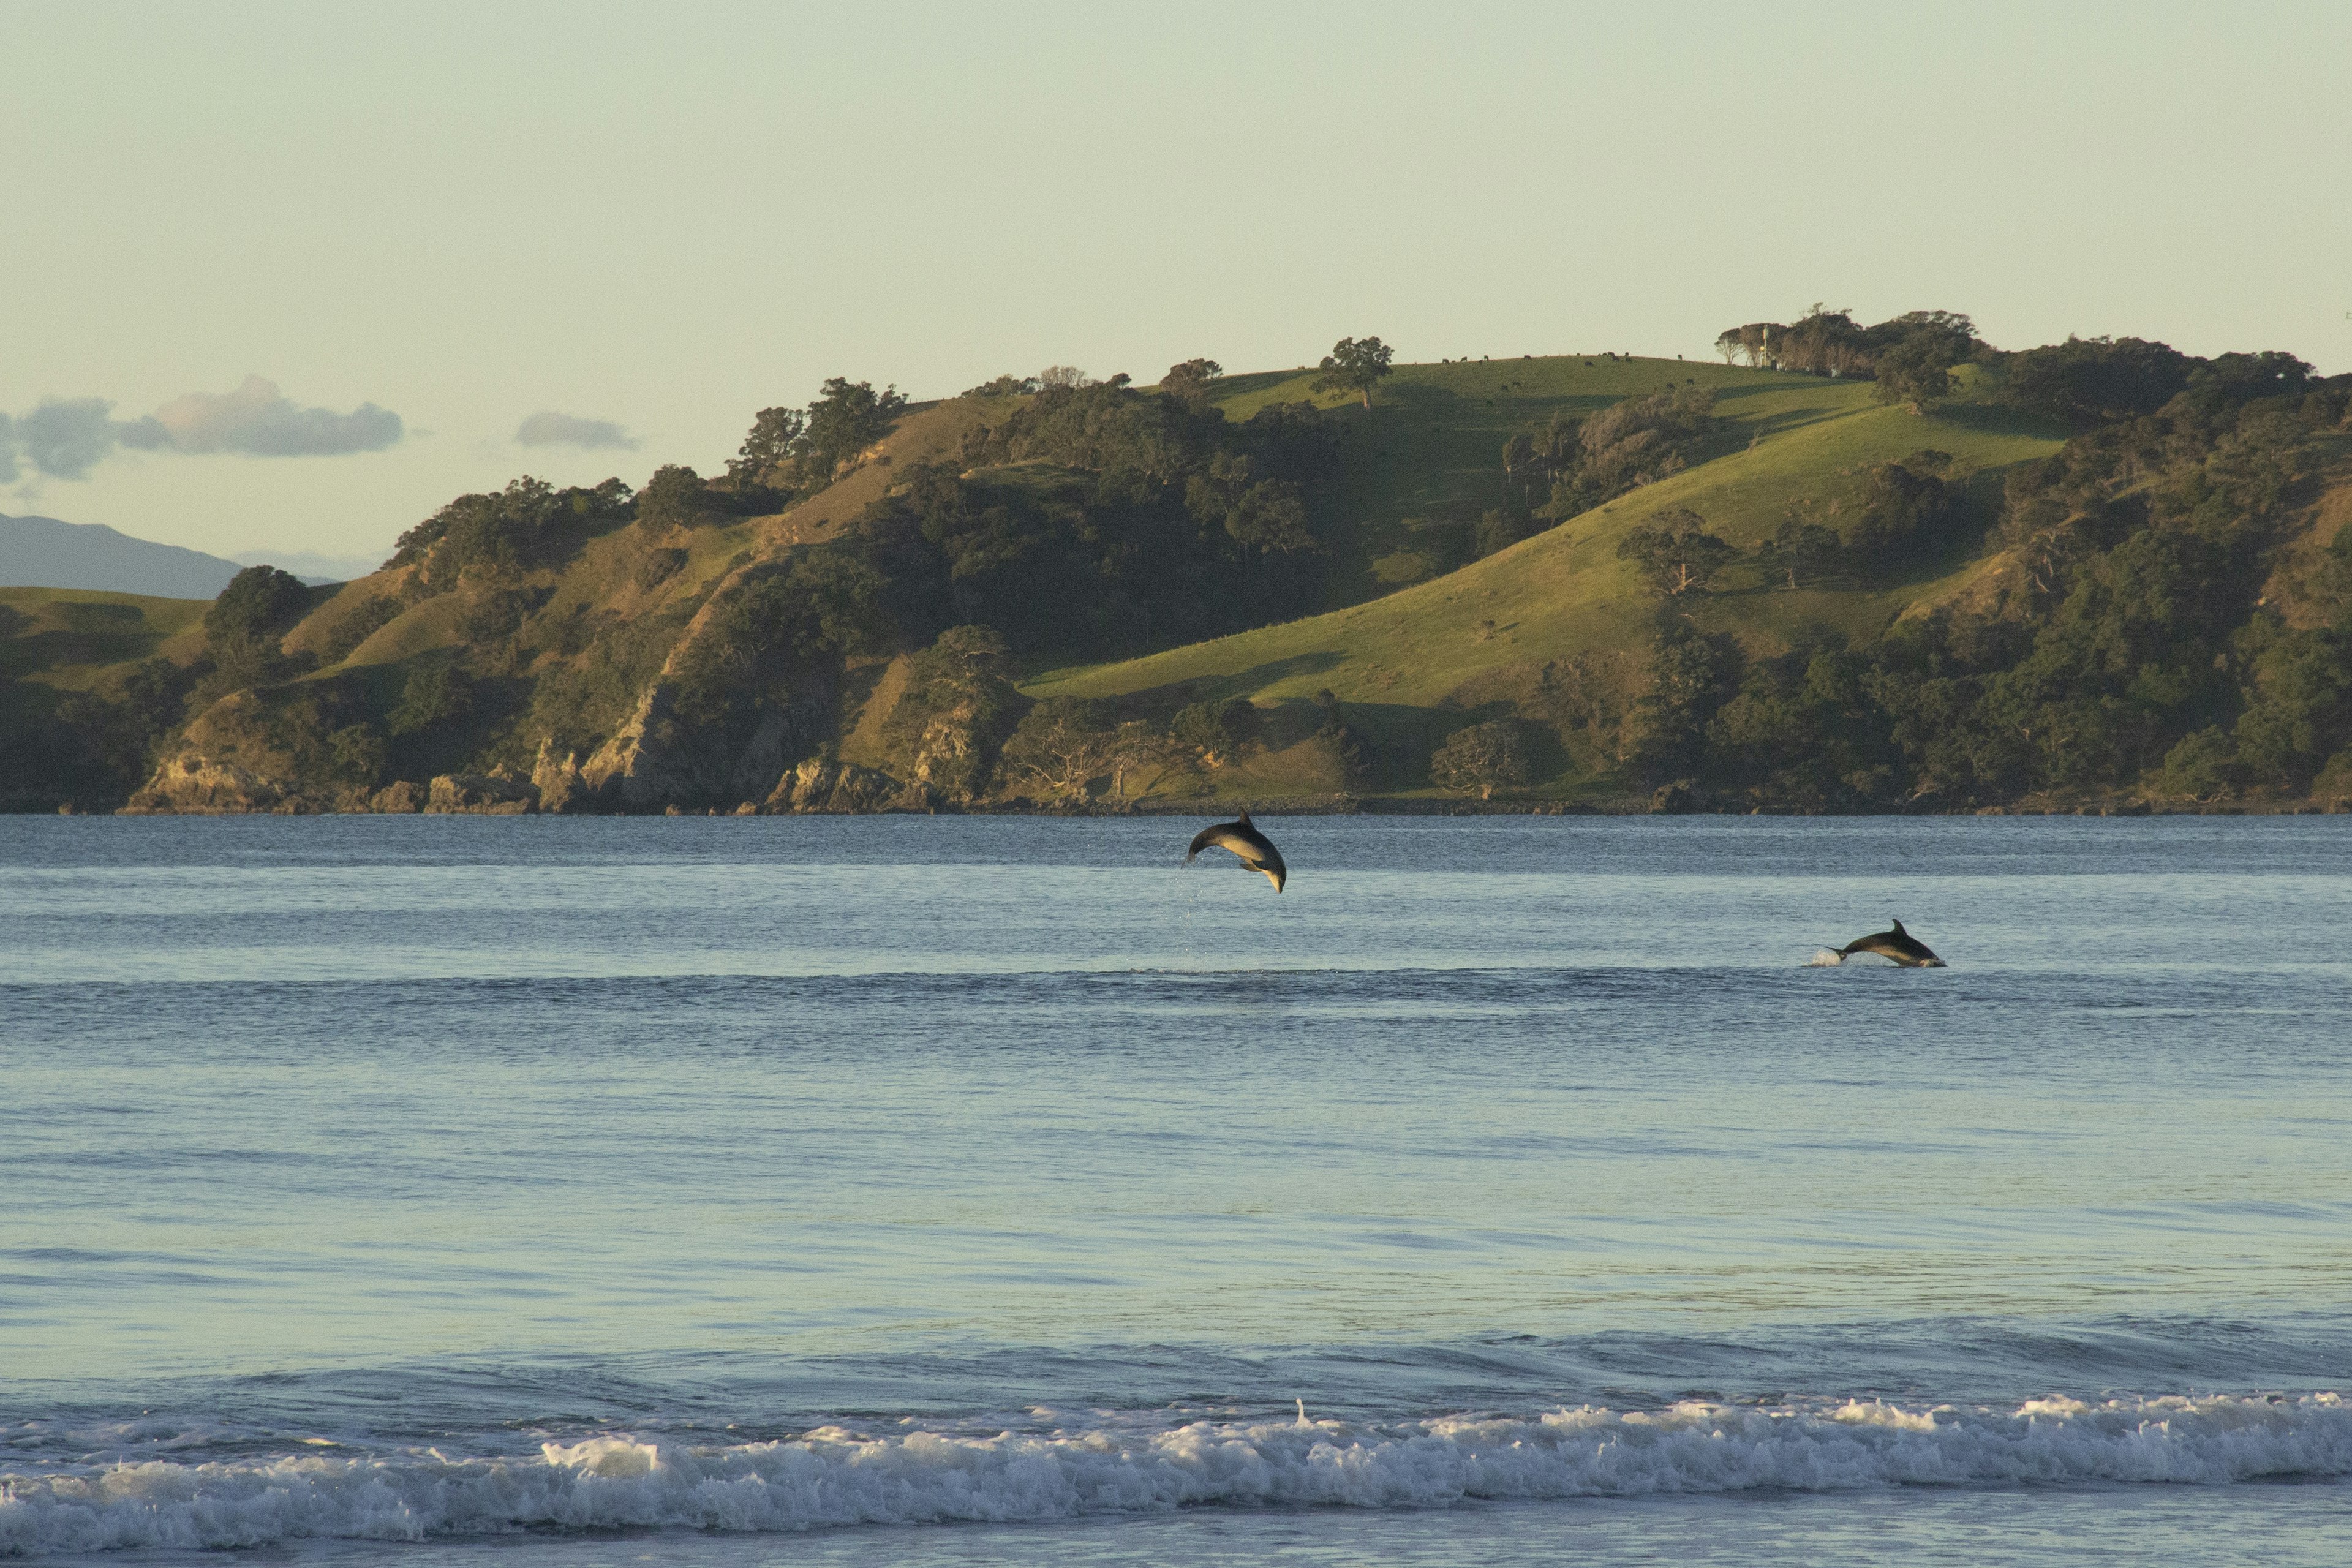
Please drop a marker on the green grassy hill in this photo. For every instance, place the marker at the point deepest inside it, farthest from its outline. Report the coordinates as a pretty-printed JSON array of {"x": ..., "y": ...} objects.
[
  {"x": 76, "y": 639},
  {"x": 1420, "y": 661}
]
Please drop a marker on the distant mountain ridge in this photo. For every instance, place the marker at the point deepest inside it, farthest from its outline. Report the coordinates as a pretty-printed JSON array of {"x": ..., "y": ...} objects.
[{"x": 45, "y": 552}]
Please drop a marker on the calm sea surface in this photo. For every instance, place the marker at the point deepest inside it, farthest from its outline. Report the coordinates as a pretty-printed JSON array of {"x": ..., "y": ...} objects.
[{"x": 853, "y": 1191}]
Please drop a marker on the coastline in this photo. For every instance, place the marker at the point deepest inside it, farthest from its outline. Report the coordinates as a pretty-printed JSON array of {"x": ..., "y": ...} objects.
[{"x": 1286, "y": 805}]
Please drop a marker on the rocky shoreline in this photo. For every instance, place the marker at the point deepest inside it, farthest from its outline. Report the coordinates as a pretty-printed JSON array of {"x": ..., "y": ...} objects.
[{"x": 195, "y": 786}]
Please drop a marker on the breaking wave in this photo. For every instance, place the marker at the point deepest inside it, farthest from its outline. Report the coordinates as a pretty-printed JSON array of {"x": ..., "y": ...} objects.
[{"x": 834, "y": 1475}]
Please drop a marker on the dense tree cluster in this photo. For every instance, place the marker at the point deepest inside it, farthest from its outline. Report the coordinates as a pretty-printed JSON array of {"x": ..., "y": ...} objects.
[
  {"x": 2137, "y": 648},
  {"x": 85, "y": 748},
  {"x": 799, "y": 451},
  {"x": 529, "y": 524},
  {"x": 2088, "y": 384},
  {"x": 1215, "y": 731},
  {"x": 247, "y": 622},
  {"x": 777, "y": 639},
  {"x": 1914, "y": 353},
  {"x": 1100, "y": 520}
]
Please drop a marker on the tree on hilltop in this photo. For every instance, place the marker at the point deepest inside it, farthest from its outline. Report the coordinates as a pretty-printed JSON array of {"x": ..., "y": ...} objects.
[
  {"x": 1006, "y": 385},
  {"x": 1355, "y": 364},
  {"x": 1916, "y": 368},
  {"x": 1754, "y": 340},
  {"x": 1822, "y": 341},
  {"x": 675, "y": 495},
  {"x": 847, "y": 418},
  {"x": 773, "y": 433},
  {"x": 1188, "y": 381},
  {"x": 2090, "y": 382},
  {"x": 258, "y": 600}
]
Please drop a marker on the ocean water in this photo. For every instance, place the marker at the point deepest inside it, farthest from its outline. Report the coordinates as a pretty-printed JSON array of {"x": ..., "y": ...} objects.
[{"x": 853, "y": 1191}]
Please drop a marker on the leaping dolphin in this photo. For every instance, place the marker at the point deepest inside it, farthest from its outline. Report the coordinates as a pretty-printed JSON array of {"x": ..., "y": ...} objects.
[
  {"x": 1897, "y": 944},
  {"x": 1248, "y": 844}
]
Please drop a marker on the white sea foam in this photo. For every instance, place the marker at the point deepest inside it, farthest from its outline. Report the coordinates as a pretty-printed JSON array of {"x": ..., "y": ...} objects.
[
  {"x": 837, "y": 1477},
  {"x": 1825, "y": 959}
]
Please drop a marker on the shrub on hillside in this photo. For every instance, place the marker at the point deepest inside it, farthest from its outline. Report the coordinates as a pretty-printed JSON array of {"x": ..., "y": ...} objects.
[
  {"x": 1349, "y": 754},
  {"x": 431, "y": 697},
  {"x": 1907, "y": 508},
  {"x": 1216, "y": 730},
  {"x": 2204, "y": 767},
  {"x": 1060, "y": 745}
]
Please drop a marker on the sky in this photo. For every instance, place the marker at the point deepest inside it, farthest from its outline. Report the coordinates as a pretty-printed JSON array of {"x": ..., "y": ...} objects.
[{"x": 277, "y": 280}]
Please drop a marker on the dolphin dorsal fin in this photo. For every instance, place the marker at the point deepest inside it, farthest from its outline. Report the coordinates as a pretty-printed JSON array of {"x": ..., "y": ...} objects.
[
  {"x": 1899, "y": 931},
  {"x": 1245, "y": 821}
]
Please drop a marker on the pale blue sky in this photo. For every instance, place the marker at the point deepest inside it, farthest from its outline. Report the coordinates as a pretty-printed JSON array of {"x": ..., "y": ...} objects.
[{"x": 668, "y": 217}]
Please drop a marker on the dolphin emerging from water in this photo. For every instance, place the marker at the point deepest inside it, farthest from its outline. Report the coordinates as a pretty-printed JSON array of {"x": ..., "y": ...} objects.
[
  {"x": 1248, "y": 844},
  {"x": 1897, "y": 944}
]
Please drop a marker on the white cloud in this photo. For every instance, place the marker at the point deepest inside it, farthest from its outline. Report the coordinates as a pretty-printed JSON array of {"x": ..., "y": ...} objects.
[
  {"x": 552, "y": 429},
  {"x": 61, "y": 438},
  {"x": 255, "y": 419},
  {"x": 65, "y": 437}
]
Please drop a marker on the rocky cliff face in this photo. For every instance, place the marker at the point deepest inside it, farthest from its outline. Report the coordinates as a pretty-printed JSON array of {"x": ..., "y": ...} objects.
[
  {"x": 194, "y": 785},
  {"x": 481, "y": 795},
  {"x": 657, "y": 761},
  {"x": 821, "y": 786},
  {"x": 229, "y": 762}
]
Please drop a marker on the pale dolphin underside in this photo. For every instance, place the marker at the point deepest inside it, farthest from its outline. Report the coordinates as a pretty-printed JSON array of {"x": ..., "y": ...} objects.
[
  {"x": 1248, "y": 844},
  {"x": 1897, "y": 944}
]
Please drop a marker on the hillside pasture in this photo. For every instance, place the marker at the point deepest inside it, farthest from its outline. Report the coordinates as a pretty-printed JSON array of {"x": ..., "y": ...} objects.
[{"x": 1411, "y": 665}]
